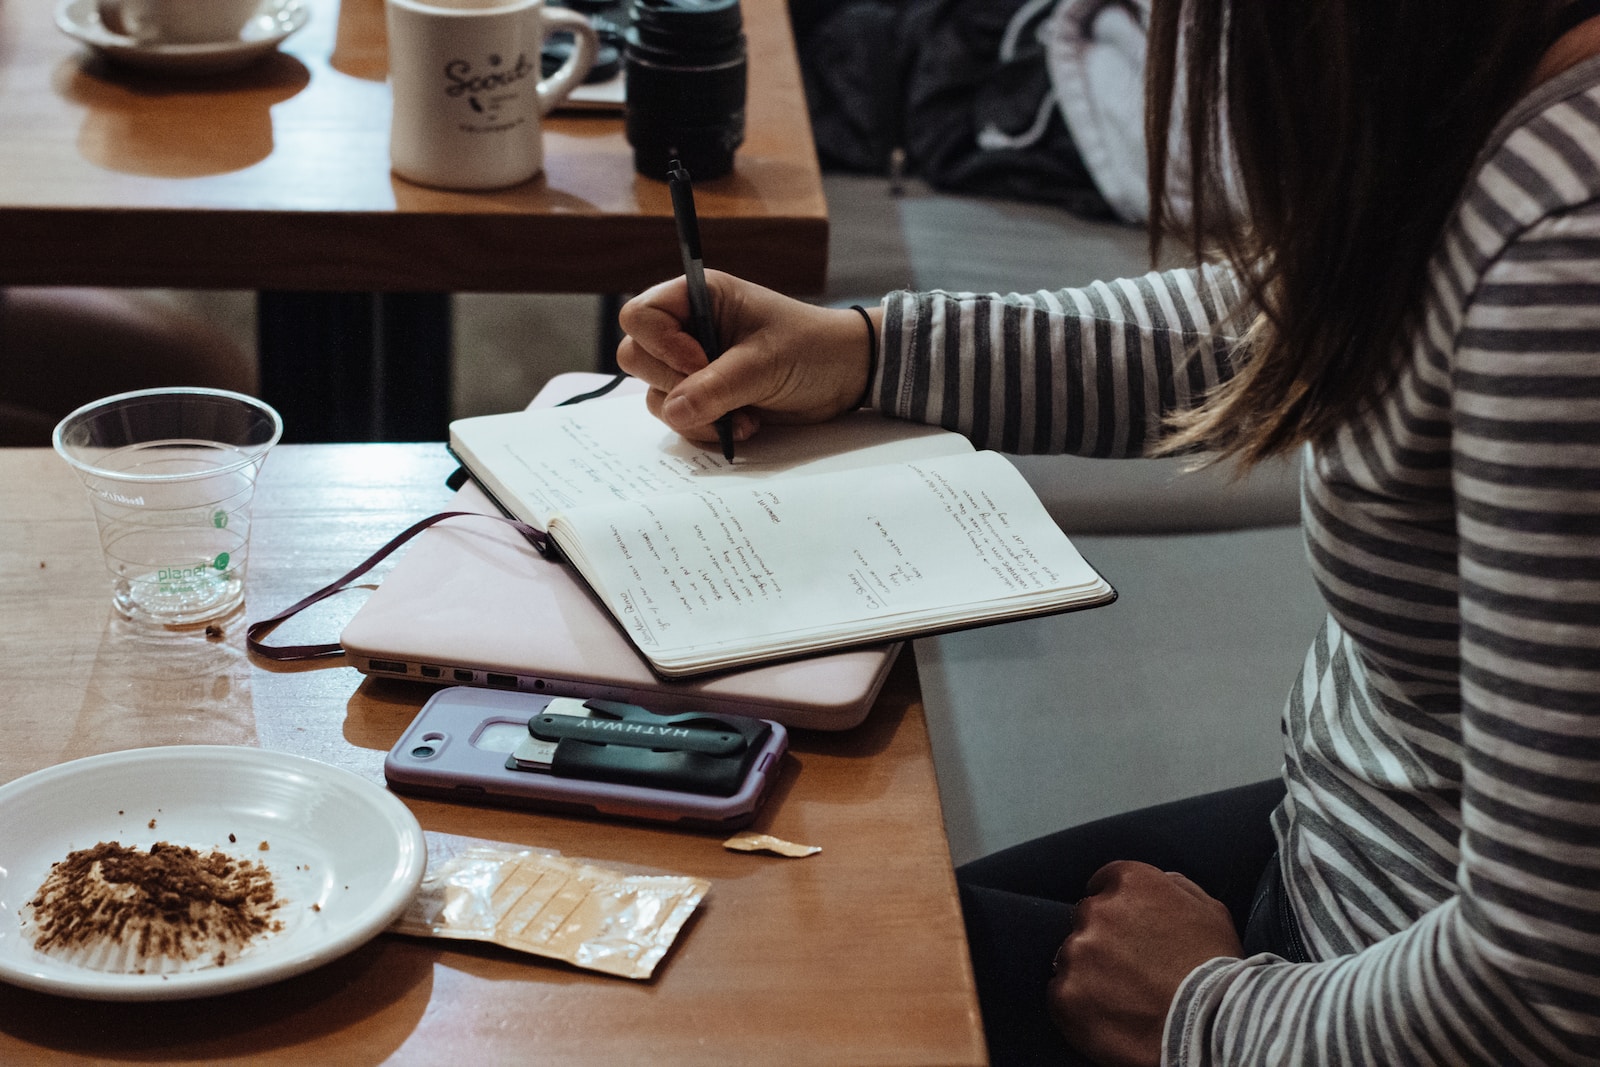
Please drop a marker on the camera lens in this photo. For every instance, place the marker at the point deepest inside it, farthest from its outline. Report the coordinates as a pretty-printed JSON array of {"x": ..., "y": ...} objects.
[
  {"x": 685, "y": 69},
  {"x": 422, "y": 751}
]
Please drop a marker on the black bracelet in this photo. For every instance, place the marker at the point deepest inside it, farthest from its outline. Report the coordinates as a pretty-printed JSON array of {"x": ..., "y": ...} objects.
[{"x": 872, "y": 353}]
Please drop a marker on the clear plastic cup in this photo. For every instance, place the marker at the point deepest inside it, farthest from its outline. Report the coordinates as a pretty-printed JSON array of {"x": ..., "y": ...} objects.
[{"x": 170, "y": 475}]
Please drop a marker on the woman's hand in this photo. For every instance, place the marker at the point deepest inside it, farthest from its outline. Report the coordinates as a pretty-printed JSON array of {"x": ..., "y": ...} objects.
[
  {"x": 782, "y": 360},
  {"x": 1134, "y": 939}
]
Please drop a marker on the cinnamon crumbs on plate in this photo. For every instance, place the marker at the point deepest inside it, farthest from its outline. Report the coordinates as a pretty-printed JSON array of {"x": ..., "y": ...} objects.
[{"x": 171, "y": 903}]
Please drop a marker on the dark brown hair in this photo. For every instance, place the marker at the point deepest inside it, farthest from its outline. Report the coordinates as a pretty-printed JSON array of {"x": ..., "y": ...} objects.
[{"x": 1353, "y": 125}]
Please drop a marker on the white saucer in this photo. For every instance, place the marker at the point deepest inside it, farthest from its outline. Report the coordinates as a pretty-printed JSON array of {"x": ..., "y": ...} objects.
[
  {"x": 345, "y": 854},
  {"x": 278, "y": 19}
]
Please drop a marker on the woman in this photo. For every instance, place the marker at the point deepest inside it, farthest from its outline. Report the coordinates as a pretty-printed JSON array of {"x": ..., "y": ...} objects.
[{"x": 1414, "y": 303}]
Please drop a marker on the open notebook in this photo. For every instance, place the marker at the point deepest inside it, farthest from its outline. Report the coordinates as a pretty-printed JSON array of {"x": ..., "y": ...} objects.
[
  {"x": 473, "y": 603},
  {"x": 816, "y": 538}
]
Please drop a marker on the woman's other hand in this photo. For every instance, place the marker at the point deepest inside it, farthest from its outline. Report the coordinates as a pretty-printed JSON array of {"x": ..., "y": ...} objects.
[
  {"x": 1134, "y": 939},
  {"x": 782, "y": 360}
]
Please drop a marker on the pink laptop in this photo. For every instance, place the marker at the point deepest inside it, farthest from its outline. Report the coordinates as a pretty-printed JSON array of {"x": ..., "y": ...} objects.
[{"x": 473, "y": 603}]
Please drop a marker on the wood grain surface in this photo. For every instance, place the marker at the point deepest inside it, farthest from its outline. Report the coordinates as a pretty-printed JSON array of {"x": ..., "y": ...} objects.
[{"x": 853, "y": 956}]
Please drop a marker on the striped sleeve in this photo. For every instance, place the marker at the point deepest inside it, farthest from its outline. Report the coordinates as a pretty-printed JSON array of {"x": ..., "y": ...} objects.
[
  {"x": 1506, "y": 970},
  {"x": 1440, "y": 838},
  {"x": 1090, "y": 371}
]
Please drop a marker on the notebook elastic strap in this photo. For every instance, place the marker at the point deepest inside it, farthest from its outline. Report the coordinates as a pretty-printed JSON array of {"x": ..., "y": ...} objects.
[{"x": 258, "y": 630}]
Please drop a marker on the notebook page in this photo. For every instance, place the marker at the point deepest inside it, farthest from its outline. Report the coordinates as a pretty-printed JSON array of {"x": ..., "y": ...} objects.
[
  {"x": 885, "y": 550},
  {"x": 542, "y": 462}
]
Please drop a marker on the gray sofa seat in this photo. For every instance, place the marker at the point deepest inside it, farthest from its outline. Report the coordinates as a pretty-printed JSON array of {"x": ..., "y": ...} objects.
[{"x": 1177, "y": 687}]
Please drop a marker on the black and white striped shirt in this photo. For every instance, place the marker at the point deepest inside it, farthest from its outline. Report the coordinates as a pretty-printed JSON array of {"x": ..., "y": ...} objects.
[{"x": 1441, "y": 834}]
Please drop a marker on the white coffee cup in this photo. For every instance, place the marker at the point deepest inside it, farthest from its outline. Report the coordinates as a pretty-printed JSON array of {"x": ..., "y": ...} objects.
[
  {"x": 177, "y": 21},
  {"x": 468, "y": 97}
]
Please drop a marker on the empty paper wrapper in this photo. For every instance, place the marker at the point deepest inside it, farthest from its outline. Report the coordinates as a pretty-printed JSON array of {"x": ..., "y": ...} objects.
[{"x": 546, "y": 904}]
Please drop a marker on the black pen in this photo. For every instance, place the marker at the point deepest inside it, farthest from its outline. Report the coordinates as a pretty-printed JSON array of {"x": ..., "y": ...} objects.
[{"x": 703, "y": 321}]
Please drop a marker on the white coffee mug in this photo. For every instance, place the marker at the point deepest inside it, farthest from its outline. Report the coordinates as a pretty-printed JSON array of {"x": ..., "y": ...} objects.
[
  {"x": 468, "y": 96},
  {"x": 177, "y": 21}
]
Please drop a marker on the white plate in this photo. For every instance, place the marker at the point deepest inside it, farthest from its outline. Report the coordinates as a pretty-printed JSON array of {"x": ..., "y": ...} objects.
[
  {"x": 346, "y": 855},
  {"x": 79, "y": 19}
]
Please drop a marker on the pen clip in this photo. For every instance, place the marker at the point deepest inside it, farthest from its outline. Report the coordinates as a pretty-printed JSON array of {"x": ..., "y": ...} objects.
[
  {"x": 683, "y": 213},
  {"x": 688, "y": 223},
  {"x": 700, "y": 313}
]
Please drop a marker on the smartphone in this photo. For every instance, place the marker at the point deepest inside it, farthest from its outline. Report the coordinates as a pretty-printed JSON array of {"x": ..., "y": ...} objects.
[{"x": 587, "y": 757}]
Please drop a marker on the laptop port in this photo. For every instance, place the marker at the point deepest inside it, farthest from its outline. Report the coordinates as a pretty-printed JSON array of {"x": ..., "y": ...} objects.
[
  {"x": 431, "y": 672},
  {"x": 387, "y": 666},
  {"x": 503, "y": 681},
  {"x": 462, "y": 675}
]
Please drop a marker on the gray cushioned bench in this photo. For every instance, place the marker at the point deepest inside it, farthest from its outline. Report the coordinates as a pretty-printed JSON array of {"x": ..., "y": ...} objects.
[{"x": 1177, "y": 687}]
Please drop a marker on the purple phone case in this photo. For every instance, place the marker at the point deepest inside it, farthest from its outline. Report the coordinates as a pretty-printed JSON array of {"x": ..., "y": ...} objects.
[{"x": 457, "y": 769}]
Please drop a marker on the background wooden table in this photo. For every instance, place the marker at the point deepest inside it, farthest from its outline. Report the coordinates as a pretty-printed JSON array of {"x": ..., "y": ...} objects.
[
  {"x": 277, "y": 178},
  {"x": 854, "y": 955}
]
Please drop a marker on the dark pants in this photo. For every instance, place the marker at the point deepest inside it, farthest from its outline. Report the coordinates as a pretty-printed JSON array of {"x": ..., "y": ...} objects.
[{"x": 1018, "y": 902}]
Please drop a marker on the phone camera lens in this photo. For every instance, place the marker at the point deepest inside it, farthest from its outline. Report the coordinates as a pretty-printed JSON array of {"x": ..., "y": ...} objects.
[{"x": 423, "y": 751}]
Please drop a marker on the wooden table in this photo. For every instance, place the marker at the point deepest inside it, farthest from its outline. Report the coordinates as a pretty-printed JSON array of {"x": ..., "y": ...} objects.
[
  {"x": 277, "y": 178},
  {"x": 853, "y": 956}
]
